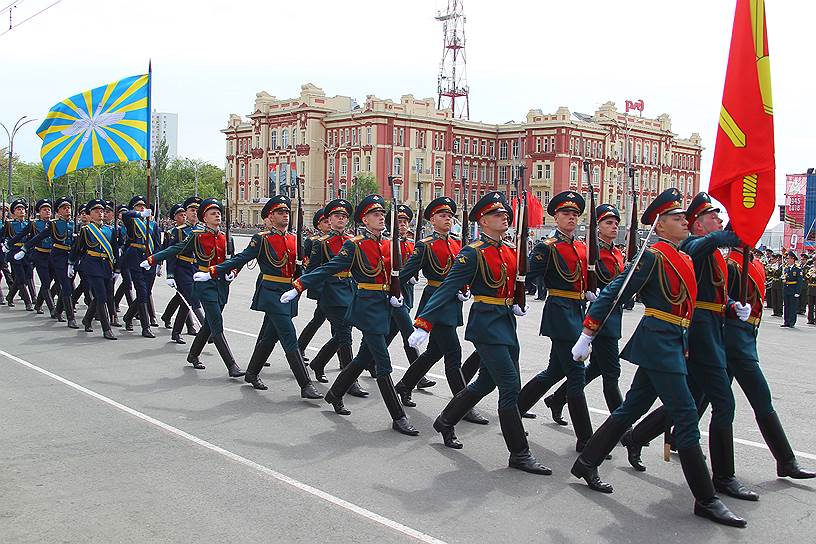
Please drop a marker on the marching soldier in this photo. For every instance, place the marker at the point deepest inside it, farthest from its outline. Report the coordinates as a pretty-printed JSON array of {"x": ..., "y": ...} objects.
[
  {"x": 488, "y": 266},
  {"x": 435, "y": 256},
  {"x": 21, "y": 269},
  {"x": 143, "y": 239},
  {"x": 562, "y": 261},
  {"x": 276, "y": 252},
  {"x": 792, "y": 278},
  {"x": 93, "y": 253},
  {"x": 125, "y": 286},
  {"x": 206, "y": 247},
  {"x": 179, "y": 216},
  {"x": 40, "y": 257},
  {"x": 777, "y": 287},
  {"x": 666, "y": 281},
  {"x": 368, "y": 258},
  {"x": 605, "y": 358},
  {"x": 117, "y": 245},
  {"x": 321, "y": 224}
]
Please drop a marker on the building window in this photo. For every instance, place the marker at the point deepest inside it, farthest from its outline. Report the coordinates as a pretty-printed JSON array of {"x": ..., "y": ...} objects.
[
  {"x": 654, "y": 154},
  {"x": 285, "y": 138},
  {"x": 484, "y": 172},
  {"x": 596, "y": 175},
  {"x": 538, "y": 145},
  {"x": 484, "y": 148},
  {"x": 456, "y": 171},
  {"x": 646, "y": 153},
  {"x": 475, "y": 148},
  {"x": 402, "y": 137},
  {"x": 467, "y": 146},
  {"x": 539, "y": 171},
  {"x": 547, "y": 171},
  {"x": 503, "y": 151},
  {"x": 438, "y": 169},
  {"x": 515, "y": 149},
  {"x": 456, "y": 145},
  {"x": 369, "y": 136},
  {"x": 492, "y": 149},
  {"x": 437, "y": 192},
  {"x": 331, "y": 166},
  {"x": 475, "y": 172},
  {"x": 243, "y": 172},
  {"x": 343, "y": 166},
  {"x": 355, "y": 165},
  {"x": 256, "y": 170},
  {"x": 546, "y": 198},
  {"x": 503, "y": 171},
  {"x": 273, "y": 139},
  {"x": 466, "y": 171},
  {"x": 654, "y": 181},
  {"x": 637, "y": 180},
  {"x": 573, "y": 173},
  {"x": 368, "y": 163},
  {"x": 397, "y": 166}
]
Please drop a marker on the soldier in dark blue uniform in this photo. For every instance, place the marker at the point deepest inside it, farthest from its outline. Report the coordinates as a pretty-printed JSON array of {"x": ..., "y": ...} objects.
[
  {"x": 321, "y": 224},
  {"x": 435, "y": 256},
  {"x": 124, "y": 289},
  {"x": 335, "y": 294},
  {"x": 143, "y": 239},
  {"x": 206, "y": 247},
  {"x": 666, "y": 281},
  {"x": 605, "y": 358},
  {"x": 93, "y": 253},
  {"x": 20, "y": 269},
  {"x": 275, "y": 250},
  {"x": 179, "y": 216},
  {"x": 562, "y": 261},
  {"x": 792, "y": 284},
  {"x": 488, "y": 267},
  {"x": 368, "y": 258},
  {"x": 180, "y": 272},
  {"x": 40, "y": 256},
  {"x": 109, "y": 220}
]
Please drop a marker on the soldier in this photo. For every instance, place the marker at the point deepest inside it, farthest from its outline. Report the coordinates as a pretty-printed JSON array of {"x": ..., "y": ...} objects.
[
  {"x": 81, "y": 290},
  {"x": 488, "y": 267},
  {"x": 40, "y": 257},
  {"x": 321, "y": 224},
  {"x": 143, "y": 240},
  {"x": 803, "y": 289},
  {"x": 206, "y": 247},
  {"x": 335, "y": 294},
  {"x": 435, "y": 256},
  {"x": 777, "y": 288},
  {"x": 180, "y": 272},
  {"x": 21, "y": 269},
  {"x": 60, "y": 232},
  {"x": 368, "y": 258},
  {"x": 792, "y": 277},
  {"x": 743, "y": 363},
  {"x": 93, "y": 253},
  {"x": 276, "y": 252},
  {"x": 117, "y": 245},
  {"x": 562, "y": 261},
  {"x": 605, "y": 358},
  {"x": 179, "y": 216},
  {"x": 125, "y": 286},
  {"x": 810, "y": 278},
  {"x": 665, "y": 279}
]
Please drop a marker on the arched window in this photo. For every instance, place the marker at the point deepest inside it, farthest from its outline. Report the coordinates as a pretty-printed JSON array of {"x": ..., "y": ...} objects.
[
  {"x": 438, "y": 170},
  {"x": 397, "y": 166},
  {"x": 285, "y": 138}
]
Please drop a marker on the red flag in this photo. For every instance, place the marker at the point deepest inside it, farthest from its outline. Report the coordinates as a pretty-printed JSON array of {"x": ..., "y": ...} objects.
[
  {"x": 742, "y": 176},
  {"x": 535, "y": 211}
]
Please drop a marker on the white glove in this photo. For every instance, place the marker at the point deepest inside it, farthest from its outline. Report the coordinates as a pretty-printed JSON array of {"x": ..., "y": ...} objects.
[
  {"x": 289, "y": 296},
  {"x": 418, "y": 337},
  {"x": 6, "y": 247},
  {"x": 147, "y": 212},
  {"x": 201, "y": 276},
  {"x": 582, "y": 348},
  {"x": 463, "y": 296},
  {"x": 159, "y": 271},
  {"x": 115, "y": 276},
  {"x": 19, "y": 255},
  {"x": 71, "y": 271},
  {"x": 395, "y": 302},
  {"x": 412, "y": 280},
  {"x": 144, "y": 264},
  {"x": 229, "y": 277},
  {"x": 796, "y": 295},
  {"x": 592, "y": 296},
  {"x": 171, "y": 282},
  {"x": 743, "y": 311},
  {"x": 518, "y": 311}
]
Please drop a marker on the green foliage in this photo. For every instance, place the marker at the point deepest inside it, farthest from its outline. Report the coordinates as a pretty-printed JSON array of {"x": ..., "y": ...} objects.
[{"x": 364, "y": 185}]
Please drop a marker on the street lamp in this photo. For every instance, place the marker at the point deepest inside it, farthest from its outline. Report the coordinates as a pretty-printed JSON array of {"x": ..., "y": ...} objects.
[{"x": 11, "y": 133}]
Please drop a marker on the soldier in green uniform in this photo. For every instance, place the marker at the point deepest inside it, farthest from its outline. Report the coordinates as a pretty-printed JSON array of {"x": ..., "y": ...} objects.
[
  {"x": 276, "y": 252},
  {"x": 488, "y": 267},
  {"x": 321, "y": 224},
  {"x": 665, "y": 279},
  {"x": 777, "y": 291},
  {"x": 792, "y": 279},
  {"x": 368, "y": 258}
]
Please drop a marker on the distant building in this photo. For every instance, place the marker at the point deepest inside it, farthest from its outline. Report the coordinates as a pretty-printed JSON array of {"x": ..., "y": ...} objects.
[
  {"x": 330, "y": 140},
  {"x": 164, "y": 126}
]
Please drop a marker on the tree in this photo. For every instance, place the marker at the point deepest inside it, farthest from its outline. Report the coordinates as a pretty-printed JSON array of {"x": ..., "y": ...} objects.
[{"x": 364, "y": 184}]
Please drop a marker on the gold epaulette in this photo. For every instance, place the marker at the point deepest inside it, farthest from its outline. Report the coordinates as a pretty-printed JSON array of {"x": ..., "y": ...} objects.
[
  {"x": 511, "y": 245},
  {"x": 263, "y": 233},
  {"x": 551, "y": 241},
  {"x": 475, "y": 245},
  {"x": 455, "y": 236},
  {"x": 323, "y": 238},
  {"x": 427, "y": 239},
  {"x": 357, "y": 238}
]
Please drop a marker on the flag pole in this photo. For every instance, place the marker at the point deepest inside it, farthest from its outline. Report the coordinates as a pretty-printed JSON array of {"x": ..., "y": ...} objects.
[{"x": 149, "y": 123}]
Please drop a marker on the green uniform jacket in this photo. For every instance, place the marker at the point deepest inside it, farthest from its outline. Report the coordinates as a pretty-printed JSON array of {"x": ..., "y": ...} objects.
[{"x": 426, "y": 257}]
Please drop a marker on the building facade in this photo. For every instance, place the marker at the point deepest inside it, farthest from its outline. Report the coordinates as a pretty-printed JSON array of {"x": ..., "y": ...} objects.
[
  {"x": 331, "y": 140},
  {"x": 164, "y": 126}
]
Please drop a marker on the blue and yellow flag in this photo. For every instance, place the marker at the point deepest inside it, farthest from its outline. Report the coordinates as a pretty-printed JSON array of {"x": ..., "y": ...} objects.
[{"x": 105, "y": 125}]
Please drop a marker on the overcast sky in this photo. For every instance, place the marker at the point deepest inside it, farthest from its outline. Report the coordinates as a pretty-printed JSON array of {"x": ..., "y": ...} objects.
[{"x": 211, "y": 57}]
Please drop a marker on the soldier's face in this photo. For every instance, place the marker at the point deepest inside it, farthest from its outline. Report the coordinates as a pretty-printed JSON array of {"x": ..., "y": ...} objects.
[
  {"x": 790, "y": 260},
  {"x": 497, "y": 222},
  {"x": 139, "y": 207},
  {"x": 279, "y": 219},
  {"x": 566, "y": 220},
  {"x": 442, "y": 222},
  {"x": 96, "y": 215},
  {"x": 608, "y": 229},
  {"x": 323, "y": 225},
  {"x": 338, "y": 221},
  {"x": 375, "y": 221},
  {"x": 212, "y": 217},
  {"x": 64, "y": 211},
  {"x": 403, "y": 226},
  {"x": 673, "y": 227},
  {"x": 708, "y": 222},
  {"x": 192, "y": 215},
  {"x": 45, "y": 213},
  {"x": 108, "y": 215},
  {"x": 180, "y": 217},
  {"x": 19, "y": 213}
]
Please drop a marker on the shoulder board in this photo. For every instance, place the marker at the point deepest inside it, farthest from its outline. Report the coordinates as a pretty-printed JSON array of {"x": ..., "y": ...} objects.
[
  {"x": 551, "y": 241},
  {"x": 511, "y": 245},
  {"x": 426, "y": 239},
  {"x": 476, "y": 244},
  {"x": 263, "y": 233},
  {"x": 455, "y": 237},
  {"x": 357, "y": 238},
  {"x": 323, "y": 238}
]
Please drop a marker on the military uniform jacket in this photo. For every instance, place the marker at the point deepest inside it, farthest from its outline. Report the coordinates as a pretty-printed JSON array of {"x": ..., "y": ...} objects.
[
  {"x": 740, "y": 336},
  {"x": 562, "y": 261},
  {"x": 180, "y": 266},
  {"x": 792, "y": 277},
  {"x": 489, "y": 267},
  {"x": 31, "y": 232},
  {"x": 610, "y": 265},
  {"x": 93, "y": 251},
  {"x": 369, "y": 261},
  {"x": 407, "y": 288},
  {"x": 207, "y": 249},
  {"x": 138, "y": 239},
  {"x": 308, "y": 244},
  {"x": 707, "y": 330},
  {"x": 336, "y": 291},
  {"x": 276, "y": 253},
  {"x": 58, "y": 235},
  {"x": 665, "y": 279},
  {"x": 435, "y": 256},
  {"x": 11, "y": 230}
]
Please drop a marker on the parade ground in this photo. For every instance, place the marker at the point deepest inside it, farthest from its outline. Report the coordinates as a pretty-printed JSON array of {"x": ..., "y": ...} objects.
[{"x": 119, "y": 442}]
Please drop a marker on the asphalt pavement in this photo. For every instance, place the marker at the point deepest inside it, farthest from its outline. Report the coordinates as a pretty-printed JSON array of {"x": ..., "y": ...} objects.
[{"x": 124, "y": 442}]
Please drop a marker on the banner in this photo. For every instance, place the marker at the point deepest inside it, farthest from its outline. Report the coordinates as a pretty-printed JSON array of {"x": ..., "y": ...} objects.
[{"x": 795, "y": 190}]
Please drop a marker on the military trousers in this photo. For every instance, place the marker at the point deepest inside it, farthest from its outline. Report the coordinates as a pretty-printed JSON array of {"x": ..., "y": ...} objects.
[
  {"x": 373, "y": 346},
  {"x": 791, "y": 309},
  {"x": 279, "y": 328},
  {"x": 561, "y": 366},
  {"x": 752, "y": 381},
  {"x": 340, "y": 329},
  {"x": 499, "y": 369}
]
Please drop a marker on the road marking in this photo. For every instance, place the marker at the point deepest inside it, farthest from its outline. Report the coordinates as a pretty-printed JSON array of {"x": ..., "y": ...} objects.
[
  {"x": 742, "y": 441},
  {"x": 359, "y": 510}
]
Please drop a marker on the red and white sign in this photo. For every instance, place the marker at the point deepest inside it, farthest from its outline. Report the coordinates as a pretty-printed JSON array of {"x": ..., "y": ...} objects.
[
  {"x": 795, "y": 190},
  {"x": 634, "y": 105}
]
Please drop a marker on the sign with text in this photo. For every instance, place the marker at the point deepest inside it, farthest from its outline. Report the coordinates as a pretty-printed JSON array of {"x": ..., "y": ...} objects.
[{"x": 795, "y": 188}]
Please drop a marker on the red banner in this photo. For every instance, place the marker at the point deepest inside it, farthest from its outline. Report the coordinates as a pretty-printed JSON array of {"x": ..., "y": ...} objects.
[
  {"x": 742, "y": 174},
  {"x": 795, "y": 190}
]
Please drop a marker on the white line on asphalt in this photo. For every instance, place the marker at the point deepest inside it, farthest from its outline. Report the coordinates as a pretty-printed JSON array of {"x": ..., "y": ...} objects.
[
  {"x": 742, "y": 441},
  {"x": 359, "y": 510}
]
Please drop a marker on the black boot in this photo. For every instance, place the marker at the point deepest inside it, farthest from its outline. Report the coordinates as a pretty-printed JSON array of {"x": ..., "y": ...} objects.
[
  {"x": 706, "y": 503},
  {"x": 456, "y": 381},
  {"x": 404, "y": 393},
  {"x": 774, "y": 435},
  {"x": 633, "y": 450},
  {"x": 104, "y": 320},
  {"x": 319, "y": 362},
  {"x": 26, "y": 298},
  {"x": 144, "y": 320},
  {"x": 129, "y": 315},
  {"x": 530, "y": 394},
  {"x": 259, "y": 356},
  {"x": 595, "y": 451},
  {"x": 416, "y": 370},
  {"x": 612, "y": 396},
  {"x": 69, "y": 314},
  {"x": 721, "y": 447},
  {"x": 516, "y": 440},
  {"x": 656, "y": 423},
  {"x": 224, "y": 351},
  {"x": 471, "y": 366},
  {"x": 579, "y": 412},
  {"x": 87, "y": 321},
  {"x": 298, "y": 367},
  {"x": 191, "y": 329},
  {"x": 400, "y": 421},
  {"x": 169, "y": 310},
  {"x": 425, "y": 383},
  {"x": 345, "y": 356},
  {"x": 151, "y": 312},
  {"x": 334, "y": 396},
  {"x": 555, "y": 403},
  {"x": 197, "y": 347},
  {"x": 460, "y": 404},
  {"x": 39, "y": 302},
  {"x": 112, "y": 313}
]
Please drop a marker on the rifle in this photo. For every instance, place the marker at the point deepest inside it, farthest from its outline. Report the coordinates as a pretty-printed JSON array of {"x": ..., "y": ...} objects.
[
  {"x": 396, "y": 254},
  {"x": 418, "y": 230},
  {"x": 299, "y": 242},
  {"x": 230, "y": 244},
  {"x": 593, "y": 251},
  {"x": 522, "y": 234},
  {"x": 632, "y": 235},
  {"x": 465, "y": 219}
]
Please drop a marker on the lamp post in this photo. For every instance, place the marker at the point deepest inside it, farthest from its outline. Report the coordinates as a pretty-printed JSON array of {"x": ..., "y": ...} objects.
[{"x": 11, "y": 133}]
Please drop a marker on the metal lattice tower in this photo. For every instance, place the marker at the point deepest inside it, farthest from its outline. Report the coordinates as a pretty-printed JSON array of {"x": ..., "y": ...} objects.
[{"x": 452, "y": 81}]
